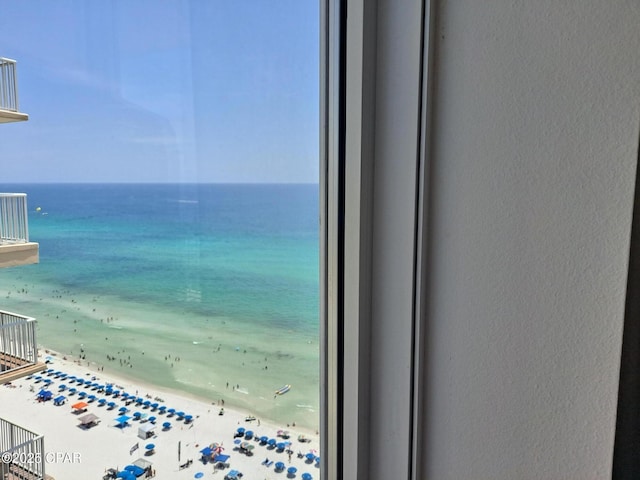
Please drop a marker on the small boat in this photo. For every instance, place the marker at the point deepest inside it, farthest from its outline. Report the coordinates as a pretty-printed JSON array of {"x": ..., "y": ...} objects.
[{"x": 283, "y": 390}]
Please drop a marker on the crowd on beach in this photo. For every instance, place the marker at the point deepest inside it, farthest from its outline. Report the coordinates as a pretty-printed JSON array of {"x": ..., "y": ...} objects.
[
  {"x": 232, "y": 431},
  {"x": 82, "y": 322}
]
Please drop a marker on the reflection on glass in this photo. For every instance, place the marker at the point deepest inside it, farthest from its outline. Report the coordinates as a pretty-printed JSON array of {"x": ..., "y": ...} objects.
[{"x": 170, "y": 162}]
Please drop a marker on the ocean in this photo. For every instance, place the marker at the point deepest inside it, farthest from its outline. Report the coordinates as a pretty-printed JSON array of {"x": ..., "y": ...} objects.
[{"x": 211, "y": 290}]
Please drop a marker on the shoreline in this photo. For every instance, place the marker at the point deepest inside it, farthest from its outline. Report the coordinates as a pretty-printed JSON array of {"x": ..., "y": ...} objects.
[
  {"x": 123, "y": 379},
  {"x": 112, "y": 449},
  {"x": 116, "y": 334}
]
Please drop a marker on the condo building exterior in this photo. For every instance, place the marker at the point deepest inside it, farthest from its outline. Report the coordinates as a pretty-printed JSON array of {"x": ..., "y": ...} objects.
[{"x": 21, "y": 450}]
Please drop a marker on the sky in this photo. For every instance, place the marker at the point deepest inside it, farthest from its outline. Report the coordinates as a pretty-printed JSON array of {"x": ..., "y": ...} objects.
[{"x": 210, "y": 91}]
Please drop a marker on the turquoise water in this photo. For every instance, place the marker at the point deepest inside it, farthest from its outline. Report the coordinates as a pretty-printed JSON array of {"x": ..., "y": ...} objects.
[{"x": 190, "y": 287}]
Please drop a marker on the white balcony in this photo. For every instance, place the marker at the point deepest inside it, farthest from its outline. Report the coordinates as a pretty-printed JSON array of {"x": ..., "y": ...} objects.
[
  {"x": 9, "y": 107},
  {"x": 22, "y": 451},
  {"x": 15, "y": 247}
]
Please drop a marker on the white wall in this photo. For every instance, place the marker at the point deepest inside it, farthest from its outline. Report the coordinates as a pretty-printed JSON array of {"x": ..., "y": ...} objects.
[{"x": 532, "y": 176}]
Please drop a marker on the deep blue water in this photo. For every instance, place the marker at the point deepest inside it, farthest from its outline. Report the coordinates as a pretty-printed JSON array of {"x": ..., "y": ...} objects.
[{"x": 245, "y": 252}]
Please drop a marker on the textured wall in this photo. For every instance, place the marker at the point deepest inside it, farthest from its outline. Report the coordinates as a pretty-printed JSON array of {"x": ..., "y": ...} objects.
[{"x": 533, "y": 174}]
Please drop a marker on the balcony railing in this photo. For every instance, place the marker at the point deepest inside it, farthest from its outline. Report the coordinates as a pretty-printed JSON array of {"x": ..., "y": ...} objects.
[
  {"x": 22, "y": 452},
  {"x": 18, "y": 346},
  {"x": 14, "y": 224},
  {"x": 8, "y": 85}
]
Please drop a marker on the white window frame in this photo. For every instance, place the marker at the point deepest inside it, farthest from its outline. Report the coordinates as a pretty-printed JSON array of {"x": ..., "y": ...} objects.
[{"x": 375, "y": 111}]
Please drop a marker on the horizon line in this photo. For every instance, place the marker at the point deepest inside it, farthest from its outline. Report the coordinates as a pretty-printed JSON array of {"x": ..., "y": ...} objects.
[{"x": 153, "y": 183}]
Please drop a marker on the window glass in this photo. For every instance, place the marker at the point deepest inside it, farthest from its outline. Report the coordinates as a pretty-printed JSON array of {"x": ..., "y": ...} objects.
[{"x": 170, "y": 162}]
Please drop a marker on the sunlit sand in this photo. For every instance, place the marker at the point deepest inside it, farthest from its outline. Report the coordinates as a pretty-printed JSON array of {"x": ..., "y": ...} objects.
[{"x": 77, "y": 452}]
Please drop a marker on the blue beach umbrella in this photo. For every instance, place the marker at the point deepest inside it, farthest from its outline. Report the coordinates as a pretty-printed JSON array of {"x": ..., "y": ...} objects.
[
  {"x": 240, "y": 430},
  {"x": 139, "y": 400},
  {"x": 307, "y": 476},
  {"x": 152, "y": 419},
  {"x": 146, "y": 403},
  {"x": 264, "y": 439},
  {"x": 199, "y": 475},
  {"x": 64, "y": 375},
  {"x": 171, "y": 411},
  {"x": 292, "y": 470},
  {"x": 62, "y": 387},
  {"x": 123, "y": 409},
  {"x": 111, "y": 405},
  {"x": 166, "y": 425},
  {"x": 82, "y": 394},
  {"x": 272, "y": 442},
  {"x": 72, "y": 390},
  {"x": 279, "y": 466},
  {"x": 149, "y": 446},
  {"x": 48, "y": 381},
  {"x": 137, "y": 415},
  {"x": 180, "y": 414},
  {"x": 122, "y": 420},
  {"x": 188, "y": 418},
  {"x": 248, "y": 434},
  {"x": 154, "y": 405},
  {"x": 162, "y": 408},
  {"x": 280, "y": 446},
  {"x": 310, "y": 457},
  {"x": 102, "y": 401}
]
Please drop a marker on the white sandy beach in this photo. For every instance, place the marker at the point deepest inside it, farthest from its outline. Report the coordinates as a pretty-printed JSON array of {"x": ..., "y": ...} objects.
[{"x": 75, "y": 453}]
